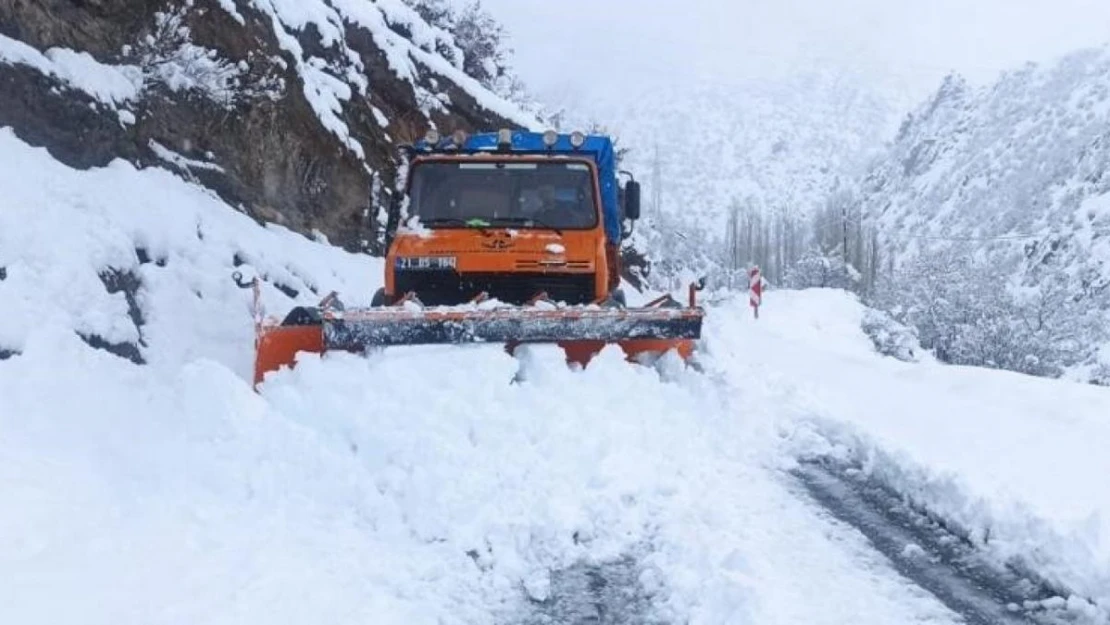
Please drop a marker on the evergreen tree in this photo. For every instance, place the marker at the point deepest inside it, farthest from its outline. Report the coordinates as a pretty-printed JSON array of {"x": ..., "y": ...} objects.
[
  {"x": 436, "y": 12},
  {"x": 481, "y": 39}
]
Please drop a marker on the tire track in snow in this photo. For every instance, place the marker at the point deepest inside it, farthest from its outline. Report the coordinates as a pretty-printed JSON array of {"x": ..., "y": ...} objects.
[
  {"x": 609, "y": 593},
  {"x": 931, "y": 556}
]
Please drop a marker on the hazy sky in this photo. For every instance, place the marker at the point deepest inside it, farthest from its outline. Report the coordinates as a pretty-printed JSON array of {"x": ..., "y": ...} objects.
[{"x": 609, "y": 44}]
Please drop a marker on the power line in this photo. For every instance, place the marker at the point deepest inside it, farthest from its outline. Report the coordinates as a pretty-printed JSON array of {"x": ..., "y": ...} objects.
[{"x": 1002, "y": 237}]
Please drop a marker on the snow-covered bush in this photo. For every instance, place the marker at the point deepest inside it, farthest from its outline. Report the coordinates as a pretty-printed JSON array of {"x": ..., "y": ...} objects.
[
  {"x": 815, "y": 270},
  {"x": 974, "y": 312},
  {"x": 677, "y": 254},
  {"x": 1100, "y": 375},
  {"x": 438, "y": 13},
  {"x": 168, "y": 57},
  {"x": 481, "y": 39},
  {"x": 890, "y": 337}
]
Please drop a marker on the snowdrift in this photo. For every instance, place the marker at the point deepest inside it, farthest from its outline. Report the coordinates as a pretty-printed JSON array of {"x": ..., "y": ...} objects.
[{"x": 145, "y": 259}]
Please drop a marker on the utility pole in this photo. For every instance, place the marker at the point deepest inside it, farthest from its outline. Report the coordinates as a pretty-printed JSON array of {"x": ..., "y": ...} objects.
[
  {"x": 844, "y": 227},
  {"x": 656, "y": 184}
]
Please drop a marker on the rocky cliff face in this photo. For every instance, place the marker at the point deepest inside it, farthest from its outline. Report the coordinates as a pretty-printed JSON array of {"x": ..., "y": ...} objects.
[{"x": 288, "y": 109}]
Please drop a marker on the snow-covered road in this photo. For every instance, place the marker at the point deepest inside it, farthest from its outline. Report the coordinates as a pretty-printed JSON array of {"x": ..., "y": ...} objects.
[
  {"x": 413, "y": 485},
  {"x": 1010, "y": 462}
]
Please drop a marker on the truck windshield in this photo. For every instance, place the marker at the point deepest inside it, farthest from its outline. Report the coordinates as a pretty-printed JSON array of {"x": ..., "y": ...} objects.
[{"x": 556, "y": 195}]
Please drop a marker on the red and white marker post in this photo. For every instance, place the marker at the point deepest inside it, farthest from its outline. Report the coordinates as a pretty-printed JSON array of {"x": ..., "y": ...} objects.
[{"x": 755, "y": 290}]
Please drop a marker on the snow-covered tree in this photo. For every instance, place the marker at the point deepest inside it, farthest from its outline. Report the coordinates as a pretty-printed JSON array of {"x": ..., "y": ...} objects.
[
  {"x": 767, "y": 237},
  {"x": 435, "y": 12},
  {"x": 482, "y": 40},
  {"x": 974, "y": 311},
  {"x": 840, "y": 228},
  {"x": 815, "y": 270}
]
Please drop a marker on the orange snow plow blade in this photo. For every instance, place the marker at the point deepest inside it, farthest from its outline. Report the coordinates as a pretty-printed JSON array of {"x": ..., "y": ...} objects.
[
  {"x": 581, "y": 335},
  {"x": 582, "y": 352},
  {"x": 582, "y": 332},
  {"x": 277, "y": 347}
]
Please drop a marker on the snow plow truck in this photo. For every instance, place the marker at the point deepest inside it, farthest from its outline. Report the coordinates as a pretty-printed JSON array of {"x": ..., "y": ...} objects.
[{"x": 509, "y": 237}]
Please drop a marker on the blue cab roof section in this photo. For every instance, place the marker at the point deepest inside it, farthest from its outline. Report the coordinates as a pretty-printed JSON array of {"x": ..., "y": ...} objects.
[{"x": 598, "y": 147}]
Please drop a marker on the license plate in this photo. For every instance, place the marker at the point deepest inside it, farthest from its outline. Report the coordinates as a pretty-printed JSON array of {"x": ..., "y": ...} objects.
[{"x": 426, "y": 263}]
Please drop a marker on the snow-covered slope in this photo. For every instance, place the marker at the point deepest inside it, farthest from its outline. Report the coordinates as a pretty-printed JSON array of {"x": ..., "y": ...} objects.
[
  {"x": 1015, "y": 176},
  {"x": 414, "y": 56},
  {"x": 407, "y": 486},
  {"x": 1024, "y": 159},
  {"x": 91, "y": 253}
]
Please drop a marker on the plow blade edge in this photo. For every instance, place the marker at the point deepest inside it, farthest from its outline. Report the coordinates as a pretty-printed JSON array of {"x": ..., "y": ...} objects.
[{"x": 357, "y": 330}]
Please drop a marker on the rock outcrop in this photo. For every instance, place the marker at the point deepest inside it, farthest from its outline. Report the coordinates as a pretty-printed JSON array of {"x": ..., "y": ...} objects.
[{"x": 290, "y": 111}]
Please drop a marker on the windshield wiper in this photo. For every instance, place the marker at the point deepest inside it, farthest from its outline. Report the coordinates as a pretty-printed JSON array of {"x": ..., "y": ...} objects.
[
  {"x": 443, "y": 221},
  {"x": 528, "y": 221},
  {"x": 480, "y": 224}
]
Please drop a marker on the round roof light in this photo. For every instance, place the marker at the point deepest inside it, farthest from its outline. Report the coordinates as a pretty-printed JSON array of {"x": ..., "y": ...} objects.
[
  {"x": 577, "y": 139},
  {"x": 550, "y": 138},
  {"x": 459, "y": 137},
  {"x": 432, "y": 137},
  {"x": 505, "y": 137}
]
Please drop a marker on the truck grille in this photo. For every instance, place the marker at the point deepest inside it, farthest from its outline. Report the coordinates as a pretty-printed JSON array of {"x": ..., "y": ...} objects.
[{"x": 444, "y": 288}]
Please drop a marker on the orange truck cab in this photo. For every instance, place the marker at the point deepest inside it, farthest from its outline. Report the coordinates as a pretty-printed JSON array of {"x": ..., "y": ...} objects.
[{"x": 510, "y": 216}]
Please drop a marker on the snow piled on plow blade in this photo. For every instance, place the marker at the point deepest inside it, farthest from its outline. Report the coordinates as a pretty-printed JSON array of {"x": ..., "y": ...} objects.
[{"x": 357, "y": 330}]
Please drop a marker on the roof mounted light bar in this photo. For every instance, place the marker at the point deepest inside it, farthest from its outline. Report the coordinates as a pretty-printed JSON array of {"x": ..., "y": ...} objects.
[{"x": 506, "y": 141}]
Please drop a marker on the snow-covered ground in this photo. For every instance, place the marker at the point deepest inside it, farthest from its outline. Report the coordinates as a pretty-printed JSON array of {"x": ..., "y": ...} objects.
[
  {"x": 452, "y": 485},
  {"x": 1016, "y": 461}
]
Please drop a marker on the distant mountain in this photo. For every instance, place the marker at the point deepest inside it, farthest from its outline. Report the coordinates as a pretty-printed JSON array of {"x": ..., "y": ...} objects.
[
  {"x": 706, "y": 148},
  {"x": 781, "y": 143},
  {"x": 1021, "y": 167}
]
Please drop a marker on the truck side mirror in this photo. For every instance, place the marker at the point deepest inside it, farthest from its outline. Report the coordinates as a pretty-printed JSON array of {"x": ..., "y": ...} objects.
[{"x": 632, "y": 200}]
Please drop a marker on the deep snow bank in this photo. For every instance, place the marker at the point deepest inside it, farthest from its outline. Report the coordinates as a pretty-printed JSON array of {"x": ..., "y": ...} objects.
[
  {"x": 412, "y": 486},
  {"x": 1018, "y": 461},
  {"x": 65, "y": 233}
]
